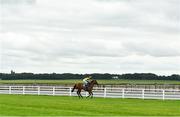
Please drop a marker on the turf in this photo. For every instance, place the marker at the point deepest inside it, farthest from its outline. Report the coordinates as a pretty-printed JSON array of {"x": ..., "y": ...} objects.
[{"x": 31, "y": 105}]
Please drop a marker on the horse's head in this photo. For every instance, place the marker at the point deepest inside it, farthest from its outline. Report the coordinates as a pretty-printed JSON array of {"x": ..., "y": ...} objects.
[{"x": 94, "y": 82}]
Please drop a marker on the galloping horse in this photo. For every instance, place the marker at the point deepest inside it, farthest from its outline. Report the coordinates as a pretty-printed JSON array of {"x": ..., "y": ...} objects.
[{"x": 79, "y": 87}]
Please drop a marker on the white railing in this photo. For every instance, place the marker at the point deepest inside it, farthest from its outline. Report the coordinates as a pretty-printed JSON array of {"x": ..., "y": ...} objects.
[{"x": 98, "y": 92}]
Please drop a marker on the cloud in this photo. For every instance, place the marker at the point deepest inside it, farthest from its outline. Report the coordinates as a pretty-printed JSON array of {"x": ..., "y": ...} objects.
[
  {"x": 80, "y": 36},
  {"x": 137, "y": 15},
  {"x": 154, "y": 48}
]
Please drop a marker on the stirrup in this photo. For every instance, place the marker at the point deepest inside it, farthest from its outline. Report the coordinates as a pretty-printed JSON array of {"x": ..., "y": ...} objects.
[{"x": 86, "y": 87}]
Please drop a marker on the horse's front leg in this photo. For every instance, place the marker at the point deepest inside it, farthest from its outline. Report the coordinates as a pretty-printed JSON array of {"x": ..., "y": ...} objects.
[{"x": 89, "y": 94}]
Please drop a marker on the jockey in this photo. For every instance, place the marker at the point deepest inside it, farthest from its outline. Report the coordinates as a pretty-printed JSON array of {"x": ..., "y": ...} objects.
[{"x": 86, "y": 81}]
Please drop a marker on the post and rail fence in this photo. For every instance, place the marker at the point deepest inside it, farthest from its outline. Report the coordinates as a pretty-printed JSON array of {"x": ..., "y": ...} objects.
[{"x": 98, "y": 92}]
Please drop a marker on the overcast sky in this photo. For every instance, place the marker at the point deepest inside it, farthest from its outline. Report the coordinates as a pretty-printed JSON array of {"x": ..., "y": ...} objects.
[{"x": 90, "y": 36}]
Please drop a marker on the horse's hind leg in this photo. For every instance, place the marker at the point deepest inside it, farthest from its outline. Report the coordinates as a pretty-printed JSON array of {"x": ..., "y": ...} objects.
[{"x": 79, "y": 94}]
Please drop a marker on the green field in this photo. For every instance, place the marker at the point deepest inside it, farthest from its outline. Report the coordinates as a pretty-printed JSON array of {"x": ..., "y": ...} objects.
[
  {"x": 30, "y": 105},
  {"x": 60, "y": 82}
]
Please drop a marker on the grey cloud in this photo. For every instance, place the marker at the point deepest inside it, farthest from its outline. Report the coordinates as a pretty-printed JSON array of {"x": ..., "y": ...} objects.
[
  {"x": 153, "y": 49},
  {"x": 18, "y": 2},
  {"x": 138, "y": 15}
]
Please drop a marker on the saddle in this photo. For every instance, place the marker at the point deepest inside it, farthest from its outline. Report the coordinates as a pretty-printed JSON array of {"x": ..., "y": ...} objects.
[{"x": 86, "y": 86}]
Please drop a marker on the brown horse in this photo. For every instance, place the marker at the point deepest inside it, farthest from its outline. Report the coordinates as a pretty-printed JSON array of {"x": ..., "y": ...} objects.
[{"x": 79, "y": 87}]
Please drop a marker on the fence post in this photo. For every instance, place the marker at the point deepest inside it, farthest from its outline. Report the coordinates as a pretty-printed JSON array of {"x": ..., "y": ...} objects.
[
  {"x": 10, "y": 89},
  {"x": 86, "y": 93},
  {"x": 23, "y": 90},
  {"x": 104, "y": 92},
  {"x": 70, "y": 94},
  {"x": 122, "y": 93},
  {"x": 163, "y": 94},
  {"x": 38, "y": 90},
  {"x": 53, "y": 91},
  {"x": 142, "y": 93}
]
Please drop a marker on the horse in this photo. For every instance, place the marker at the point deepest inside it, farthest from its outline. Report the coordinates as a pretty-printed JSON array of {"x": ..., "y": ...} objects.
[{"x": 79, "y": 87}]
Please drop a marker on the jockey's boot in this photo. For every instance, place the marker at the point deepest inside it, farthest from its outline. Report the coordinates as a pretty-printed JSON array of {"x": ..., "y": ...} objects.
[{"x": 86, "y": 87}]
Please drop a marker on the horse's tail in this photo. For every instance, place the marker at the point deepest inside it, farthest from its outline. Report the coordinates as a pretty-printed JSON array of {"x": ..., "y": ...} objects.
[{"x": 73, "y": 88}]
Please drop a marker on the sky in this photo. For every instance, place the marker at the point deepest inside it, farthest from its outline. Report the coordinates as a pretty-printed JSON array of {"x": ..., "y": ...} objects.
[{"x": 90, "y": 36}]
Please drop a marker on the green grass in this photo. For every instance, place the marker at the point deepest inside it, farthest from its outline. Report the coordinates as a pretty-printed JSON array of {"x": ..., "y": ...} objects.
[
  {"x": 63, "y": 82},
  {"x": 29, "y": 105}
]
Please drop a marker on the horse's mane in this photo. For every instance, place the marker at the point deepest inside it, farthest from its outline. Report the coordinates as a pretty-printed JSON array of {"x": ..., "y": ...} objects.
[{"x": 93, "y": 80}]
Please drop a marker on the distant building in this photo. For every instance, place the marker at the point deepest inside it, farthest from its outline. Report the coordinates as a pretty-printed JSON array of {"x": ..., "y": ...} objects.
[{"x": 115, "y": 77}]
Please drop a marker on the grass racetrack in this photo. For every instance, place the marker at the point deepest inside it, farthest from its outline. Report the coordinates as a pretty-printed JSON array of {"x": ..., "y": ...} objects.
[{"x": 32, "y": 105}]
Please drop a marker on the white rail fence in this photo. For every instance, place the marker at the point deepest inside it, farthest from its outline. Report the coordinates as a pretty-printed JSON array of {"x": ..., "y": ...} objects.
[{"x": 98, "y": 92}]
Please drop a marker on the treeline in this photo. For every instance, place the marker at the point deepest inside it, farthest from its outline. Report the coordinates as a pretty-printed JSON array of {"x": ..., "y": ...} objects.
[{"x": 66, "y": 76}]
